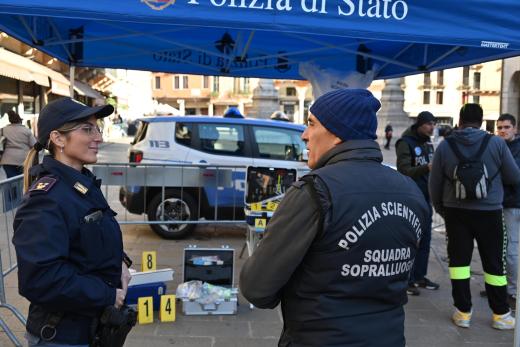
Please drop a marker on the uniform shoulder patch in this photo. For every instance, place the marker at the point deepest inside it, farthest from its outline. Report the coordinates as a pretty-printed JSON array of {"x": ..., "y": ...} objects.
[
  {"x": 44, "y": 184},
  {"x": 299, "y": 184}
]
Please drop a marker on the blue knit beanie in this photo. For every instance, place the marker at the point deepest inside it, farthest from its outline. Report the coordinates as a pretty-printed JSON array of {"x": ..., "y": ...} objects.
[{"x": 350, "y": 114}]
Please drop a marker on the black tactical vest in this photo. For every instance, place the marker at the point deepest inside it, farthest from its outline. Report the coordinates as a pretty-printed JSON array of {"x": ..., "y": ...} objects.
[{"x": 351, "y": 285}]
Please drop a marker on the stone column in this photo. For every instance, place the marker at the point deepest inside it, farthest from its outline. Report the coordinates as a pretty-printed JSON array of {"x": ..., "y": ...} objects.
[
  {"x": 210, "y": 109},
  {"x": 392, "y": 112},
  {"x": 265, "y": 99},
  {"x": 182, "y": 107}
]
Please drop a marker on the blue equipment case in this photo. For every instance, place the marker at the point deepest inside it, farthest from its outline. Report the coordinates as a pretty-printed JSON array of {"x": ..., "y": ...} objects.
[{"x": 154, "y": 290}]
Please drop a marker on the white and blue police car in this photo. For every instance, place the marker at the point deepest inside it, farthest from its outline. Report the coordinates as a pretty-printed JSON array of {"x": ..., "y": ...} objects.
[{"x": 203, "y": 140}]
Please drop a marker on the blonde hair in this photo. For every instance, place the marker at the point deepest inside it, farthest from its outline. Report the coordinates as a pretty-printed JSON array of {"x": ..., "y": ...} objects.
[{"x": 32, "y": 158}]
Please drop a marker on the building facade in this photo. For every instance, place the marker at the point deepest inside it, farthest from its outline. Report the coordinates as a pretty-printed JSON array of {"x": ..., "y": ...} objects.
[
  {"x": 203, "y": 95},
  {"x": 29, "y": 79},
  {"x": 440, "y": 92},
  {"x": 444, "y": 92},
  {"x": 495, "y": 85},
  {"x": 212, "y": 95}
]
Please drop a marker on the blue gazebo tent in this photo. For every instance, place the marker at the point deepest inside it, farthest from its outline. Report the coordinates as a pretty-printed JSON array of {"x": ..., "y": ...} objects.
[{"x": 268, "y": 38}]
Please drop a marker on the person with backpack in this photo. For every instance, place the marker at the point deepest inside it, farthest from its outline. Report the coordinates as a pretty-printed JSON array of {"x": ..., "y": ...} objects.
[
  {"x": 414, "y": 152},
  {"x": 466, "y": 187}
]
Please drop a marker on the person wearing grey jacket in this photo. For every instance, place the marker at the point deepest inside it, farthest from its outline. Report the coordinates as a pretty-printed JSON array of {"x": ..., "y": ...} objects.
[
  {"x": 19, "y": 141},
  {"x": 338, "y": 251},
  {"x": 479, "y": 219}
]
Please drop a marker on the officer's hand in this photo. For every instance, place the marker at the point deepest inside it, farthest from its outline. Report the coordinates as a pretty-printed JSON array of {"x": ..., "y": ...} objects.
[
  {"x": 120, "y": 297},
  {"x": 125, "y": 277}
]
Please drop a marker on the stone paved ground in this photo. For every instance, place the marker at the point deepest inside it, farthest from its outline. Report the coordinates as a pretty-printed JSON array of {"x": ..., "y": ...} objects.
[{"x": 427, "y": 316}]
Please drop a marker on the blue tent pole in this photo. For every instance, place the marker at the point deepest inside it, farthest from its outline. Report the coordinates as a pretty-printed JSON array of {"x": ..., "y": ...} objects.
[{"x": 72, "y": 71}]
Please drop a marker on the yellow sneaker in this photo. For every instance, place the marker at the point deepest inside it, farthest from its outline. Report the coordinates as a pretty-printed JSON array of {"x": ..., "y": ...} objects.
[
  {"x": 461, "y": 319},
  {"x": 503, "y": 321}
]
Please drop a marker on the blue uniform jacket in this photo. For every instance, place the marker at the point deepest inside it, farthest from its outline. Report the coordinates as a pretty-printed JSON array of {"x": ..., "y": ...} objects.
[{"x": 67, "y": 262}]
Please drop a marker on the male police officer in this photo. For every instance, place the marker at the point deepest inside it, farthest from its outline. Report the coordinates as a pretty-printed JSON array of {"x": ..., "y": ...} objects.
[
  {"x": 338, "y": 251},
  {"x": 414, "y": 155}
]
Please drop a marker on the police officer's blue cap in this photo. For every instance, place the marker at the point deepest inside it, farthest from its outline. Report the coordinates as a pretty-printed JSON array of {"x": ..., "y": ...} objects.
[{"x": 65, "y": 110}]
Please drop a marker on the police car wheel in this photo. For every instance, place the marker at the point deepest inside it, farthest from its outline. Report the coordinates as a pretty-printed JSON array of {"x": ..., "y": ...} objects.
[{"x": 175, "y": 206}]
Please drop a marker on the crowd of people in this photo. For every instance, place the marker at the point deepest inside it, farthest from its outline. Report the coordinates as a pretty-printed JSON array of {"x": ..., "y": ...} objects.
[
  {"x": 469, "y": 172},
  {"x": 472, "y": 182}
]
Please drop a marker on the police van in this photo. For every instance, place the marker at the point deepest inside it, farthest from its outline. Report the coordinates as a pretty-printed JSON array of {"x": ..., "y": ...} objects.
[{"x": 206, "y": 141}]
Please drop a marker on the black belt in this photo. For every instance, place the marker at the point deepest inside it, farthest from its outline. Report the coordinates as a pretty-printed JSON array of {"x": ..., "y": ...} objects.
[{"x": 59, "y": 327}]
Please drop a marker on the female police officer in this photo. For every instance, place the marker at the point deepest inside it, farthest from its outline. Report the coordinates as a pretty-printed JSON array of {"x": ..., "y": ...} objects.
[{"x": 68, "y": 244}]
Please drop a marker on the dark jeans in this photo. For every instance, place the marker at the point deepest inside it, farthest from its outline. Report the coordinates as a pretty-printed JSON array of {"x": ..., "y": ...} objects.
[
  {"x": 486, "y": 227},
  {"x": 388, "y": 140},
  {"x": 420, "y": 266},
  {"x": 12, "y": 170}
]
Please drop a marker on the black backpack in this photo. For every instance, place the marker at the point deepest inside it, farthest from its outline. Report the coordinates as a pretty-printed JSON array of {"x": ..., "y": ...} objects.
[{"x": 470, "y": 177}]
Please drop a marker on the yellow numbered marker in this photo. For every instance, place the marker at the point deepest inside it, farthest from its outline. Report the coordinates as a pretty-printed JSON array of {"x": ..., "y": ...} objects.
[
  {"x": 148, "y": 262},
  {"x": 260, "y": 223},
  {"x": 167, "y": 312},
  {"x": 257, "y": 206},
  {"x": 145, "y": 310},
  {"x": 271, "y": 205}
]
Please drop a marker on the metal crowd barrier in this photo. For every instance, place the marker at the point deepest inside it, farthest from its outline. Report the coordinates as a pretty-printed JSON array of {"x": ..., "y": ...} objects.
[
  {"x": 11, "y": 193},
  {"x": 213, "y": 187},
  {"x": 217, "y": 190}
]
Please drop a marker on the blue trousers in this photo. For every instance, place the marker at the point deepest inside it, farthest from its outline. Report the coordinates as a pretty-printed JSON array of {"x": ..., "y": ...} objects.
[
  {"x": 12, "y": 170},
  {"x": 420, "y": 266}
]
